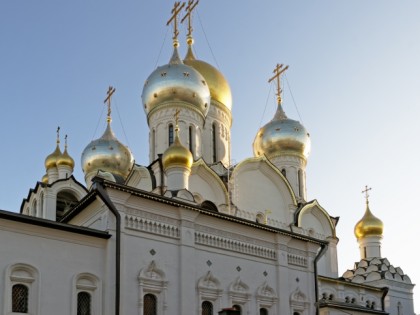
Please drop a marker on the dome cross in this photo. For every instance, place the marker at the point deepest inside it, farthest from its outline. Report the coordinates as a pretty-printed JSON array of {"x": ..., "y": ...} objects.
[
  {"x": 277, "y": 73},
  {"x": 366, "y": 192},
  {"x": 58, "y": 134},
  {"x": 175, "y": 11},
  {"x": 190, "y": 7},
  {"x": 107, "y": 101}
]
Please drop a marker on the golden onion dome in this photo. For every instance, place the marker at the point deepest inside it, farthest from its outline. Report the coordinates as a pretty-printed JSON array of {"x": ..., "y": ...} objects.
[
  {"x": 177, "y": 154},
  {"x": 369, "y": 225},
  {"x": 282, "y": 136},
  {"x": 45, "y": 179},
  {"x": 51, "y": 160},
  {"x": 107, "y": 154},
  {"x": 219, "y": 87},
  {"x": 176, "y": 83},
  {"x": 65, "y": 158}
]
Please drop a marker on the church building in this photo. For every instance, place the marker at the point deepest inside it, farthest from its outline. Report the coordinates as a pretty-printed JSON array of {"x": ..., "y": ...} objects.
[{"x": 190, "y": 233}]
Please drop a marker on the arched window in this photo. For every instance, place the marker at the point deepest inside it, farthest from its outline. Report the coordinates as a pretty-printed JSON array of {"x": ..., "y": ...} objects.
[
  {"x": 84, "y": 303},
  {"x": 237, "y": 308},
  {"x": 171, "y": 134},
  {"x": 153, "y": 142},
  {"x": 263, "y": 311},
  {"x": 206, "y": 308},
  {"x": 41, "y": 206},
  {"x": 191, "y": 139},
  {"x": 149, "y": 305},
  {"x": 283, "y": 171},
  {"x": 65, "y": 201},
  {"x": 20, "y": 298},
  {"x": 300, "y": 183},
  {"x": 399, "y": 308},
  {"x": 35, "y": 208},
  {"x": 214, "y": 143}
]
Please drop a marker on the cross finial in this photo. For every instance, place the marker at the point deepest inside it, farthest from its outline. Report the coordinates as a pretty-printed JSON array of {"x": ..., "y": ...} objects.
[
  {"x": 107, "y": 101},
  {"x": 277, "y": 73},
  {"x": 58, "y": 134},
  {"x": 65, "y": 141},
  {"x": 176, "y": 115},
  {"x": 366, "y": 192},
  {"x": 190, "y": 7},
  {"x": 175, "y": 11}
]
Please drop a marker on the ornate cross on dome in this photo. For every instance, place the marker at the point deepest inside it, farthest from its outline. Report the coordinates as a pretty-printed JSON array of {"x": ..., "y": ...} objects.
[
  {"x": 366, "y": 192},
  {"x": 277, "y": 73},
  {"x": 190, "y": 7},
  {"x": 176, "y": 115},
  {"x": 58, "y": 134},
  {"x": 175, "y": 11},
  {"x": 65, "y": 141},
  {"x": 107, "y": 101}
]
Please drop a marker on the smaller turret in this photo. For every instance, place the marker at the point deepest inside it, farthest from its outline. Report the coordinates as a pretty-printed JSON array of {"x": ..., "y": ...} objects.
[{"x": 51, "y": 161}]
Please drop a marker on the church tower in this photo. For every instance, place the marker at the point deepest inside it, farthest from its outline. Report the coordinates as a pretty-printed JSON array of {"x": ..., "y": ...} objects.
[
  {"x": 216, "y": 132},
  {"x": 285, "y": 142},
  {"x": 170, "y": 87}
]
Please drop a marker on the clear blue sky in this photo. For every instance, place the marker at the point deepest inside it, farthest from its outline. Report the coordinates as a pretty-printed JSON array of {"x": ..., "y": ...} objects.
[{"x": 354, "y": 74}]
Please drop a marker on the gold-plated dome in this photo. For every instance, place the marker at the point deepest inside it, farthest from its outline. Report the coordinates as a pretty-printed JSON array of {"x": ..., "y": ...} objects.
[
  {"x": 51, "y": 160},
  {"x": 107, "y": 154},
  {"x": 45, "y": 179},
  {"x": 177, "y": 154},
  {"x": 65, "y": 158},
  {"x": 177, "y": 84},
  {"x": 282, "y": 136},
  {"x": 369, "y": 225},
  {"x": 219, "y": 87}
]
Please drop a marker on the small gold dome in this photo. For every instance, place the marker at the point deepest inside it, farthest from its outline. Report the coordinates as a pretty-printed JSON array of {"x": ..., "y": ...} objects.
[
  {"x": 219, "y": 87},
  {"x": 51, "y": 160},
  {"x": 107, "y": 154},
  {"x": 177, "y": 154},
  {"x": 65, "y": 159},
  {"x": 282, "y": 136},
  {"x": 45, "y": 179},
  {"x": 369, "y": 225},
  {"x": 177, "y": 84}
]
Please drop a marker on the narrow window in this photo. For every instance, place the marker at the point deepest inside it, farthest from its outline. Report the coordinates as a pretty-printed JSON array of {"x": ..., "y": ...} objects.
[
  {"x": 190, "y": 138},
  {"x": 263, "y": 311},
  {"x": 238, "y": 308},
  {"x": 206, "y": 308},
  {"x": 20, "y": 297},
  {"x": 364, "y": 252},
  {"x": 300, "y": 183},
  {"x": 171, "y": 134},
  {"x": 84, "y": 302},
  {"x": 153, "y": 144},
  {"x": 283, "y": 171},
  {"x": 214, "y": 142},
  {"x": 149, "y": 305}
]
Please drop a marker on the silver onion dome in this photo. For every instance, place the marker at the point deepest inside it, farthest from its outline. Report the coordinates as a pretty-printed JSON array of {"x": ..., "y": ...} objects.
[
  {"x": 282, "y": 136},
  {"x": 107, "y": 154},
  {"x": 176, "y": 82}
]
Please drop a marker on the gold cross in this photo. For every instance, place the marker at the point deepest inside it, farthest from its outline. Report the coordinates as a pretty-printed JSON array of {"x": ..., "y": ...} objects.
[
  {"x": 65, "y": 141},
  {"x": 278, "y": 71},
  {"x": 366, "y": 193},
  {"x": 107, "y": 101},
  {"x": 190, "y": 7},
  {"x": 175, "y": 11},
  {"x": 177, "y": 111},
  {"x": 58, "y": 134}
]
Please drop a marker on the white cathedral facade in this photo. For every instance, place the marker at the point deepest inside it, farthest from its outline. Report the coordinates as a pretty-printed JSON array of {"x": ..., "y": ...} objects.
[{"x": 189, "y": 233}]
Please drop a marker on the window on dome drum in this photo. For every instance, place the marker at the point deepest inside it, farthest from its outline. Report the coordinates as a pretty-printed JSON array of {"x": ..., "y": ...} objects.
[
  {"x": 171, "y": 134},
  {"x": 214, "y": 143},
  {"x": 190, "y": 138},
  {"x": 283, "y": 171},
  {"x": 149, "y": 305},
  {"x": 237, "y": 308},
  {"x": 84, "y": 302},
  {"x": 206, "y": 308},
  {"x": 300, "y": 183},
  {"x": 20, "y": 297},
  {"x": 153, "y": 143},
  {"x": 263, "y": 311}
]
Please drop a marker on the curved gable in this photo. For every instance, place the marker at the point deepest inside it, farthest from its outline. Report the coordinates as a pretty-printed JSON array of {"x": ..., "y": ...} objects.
[
  {"x": 205, "y": 182},
  {"x": 140, "y": 178},
  {"x": 313, "y": 218},
  {"x": 259, "y": 187}
]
